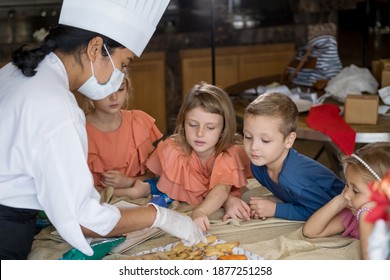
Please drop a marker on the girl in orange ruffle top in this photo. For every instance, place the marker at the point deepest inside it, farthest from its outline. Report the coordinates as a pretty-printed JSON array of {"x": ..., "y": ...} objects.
[
  {"x": 119, "y": 143},
  {"x": 203, "y": 163}
]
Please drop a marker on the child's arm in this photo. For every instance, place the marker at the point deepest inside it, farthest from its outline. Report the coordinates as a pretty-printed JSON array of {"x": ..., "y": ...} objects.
[
  {"x": 212, "y": 202},
  {"x": 262, "y": 207},
  {"x": 139, "y": 189},
  {"x": 326, "y": 221},
  {"x": 236, "y": 208},
  {"x": 117, "y": 180}
]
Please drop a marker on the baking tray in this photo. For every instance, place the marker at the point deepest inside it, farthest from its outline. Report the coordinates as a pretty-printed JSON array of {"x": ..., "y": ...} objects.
[{"x": 236, "y": 250}]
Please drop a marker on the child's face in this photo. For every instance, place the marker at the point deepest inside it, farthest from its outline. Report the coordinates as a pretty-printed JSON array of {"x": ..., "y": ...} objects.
[
  {"x": 357, "y": 192},
  {"x": 202, "y": 131},
  {"x": 114, "y": 102},
  {"x": 263, "y": 141}
]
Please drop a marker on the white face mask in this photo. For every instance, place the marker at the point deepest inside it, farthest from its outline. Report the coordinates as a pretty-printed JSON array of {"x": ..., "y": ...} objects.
[{"x": 95, "y": 91}]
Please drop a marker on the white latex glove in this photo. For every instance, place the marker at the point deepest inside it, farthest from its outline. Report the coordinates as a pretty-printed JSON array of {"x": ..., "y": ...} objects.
[
  {"x": 178, "y": 225},
  {"x": 379, "y": 242}
]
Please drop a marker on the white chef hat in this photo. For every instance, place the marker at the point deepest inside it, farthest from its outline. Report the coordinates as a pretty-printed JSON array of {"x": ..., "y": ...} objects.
[{"x": 129, "y": 22}]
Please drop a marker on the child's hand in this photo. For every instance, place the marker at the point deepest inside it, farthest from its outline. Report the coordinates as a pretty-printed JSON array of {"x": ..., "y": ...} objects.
[
  {"x": 115, "y": 179},
  {"x": 200, "y": 219},
  {"x": 236, "y": 208},
  {"x": 341, "y": 197},
  {"x": 343, "y": 191},
  {"x": 262, "y": 208}
]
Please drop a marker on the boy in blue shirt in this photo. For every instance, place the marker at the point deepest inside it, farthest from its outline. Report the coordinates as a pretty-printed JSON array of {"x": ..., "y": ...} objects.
[{"x": 300, "y": 185}]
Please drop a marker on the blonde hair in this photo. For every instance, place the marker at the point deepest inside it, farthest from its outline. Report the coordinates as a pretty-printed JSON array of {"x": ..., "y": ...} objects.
[
  {"x": 213, "y": 100},
  {"x": 275, "y": 105},
  {"x": 375, "y": 155},
  {"x": 88, "y": 106}
]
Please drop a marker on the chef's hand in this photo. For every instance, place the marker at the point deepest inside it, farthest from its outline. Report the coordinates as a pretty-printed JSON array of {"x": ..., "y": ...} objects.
[{"x": 178, "y": 225}]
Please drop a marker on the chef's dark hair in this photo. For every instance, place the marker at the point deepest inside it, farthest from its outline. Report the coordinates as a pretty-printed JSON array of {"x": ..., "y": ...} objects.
[{"x": 67, "y": 39}]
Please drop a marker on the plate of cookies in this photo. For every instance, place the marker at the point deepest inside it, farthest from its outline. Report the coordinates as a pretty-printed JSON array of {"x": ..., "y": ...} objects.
[{"x": 213, "y": 249}]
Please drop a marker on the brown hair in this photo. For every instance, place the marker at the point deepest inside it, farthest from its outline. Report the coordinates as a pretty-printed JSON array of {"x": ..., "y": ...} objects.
[
  {"x": 375, "y": 155},
  {"x": 216, "y": 101},
  {"x": 275, "y": 105}
]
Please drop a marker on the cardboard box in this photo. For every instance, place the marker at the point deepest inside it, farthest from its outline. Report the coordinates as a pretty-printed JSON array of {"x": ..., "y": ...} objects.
[
  {"x": 386, "y": 64},
  {"x": 361, "y": 109},
  {"x": 376, "y": 70},
  {"x": 385, "y": 79},
  {"x": 380, "y": 69}
]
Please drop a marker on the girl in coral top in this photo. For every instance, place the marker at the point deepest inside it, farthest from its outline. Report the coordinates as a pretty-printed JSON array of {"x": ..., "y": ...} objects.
[
  {"x": 203, "y": 163},
  {"x": 119, "y": 143}
]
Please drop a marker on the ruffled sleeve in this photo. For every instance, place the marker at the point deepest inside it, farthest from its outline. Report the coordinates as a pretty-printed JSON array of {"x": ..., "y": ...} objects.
[
  {"x": 125, "y": 149},
  {"x": 184, "y": 178},
  {"x": 181, "y": 176},
  {"x": 231, "y": 167},
  {"x": 145, "y": 133}
]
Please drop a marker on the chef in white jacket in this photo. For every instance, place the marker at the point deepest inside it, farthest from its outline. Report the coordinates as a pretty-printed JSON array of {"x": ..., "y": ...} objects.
[{"x": 43, "y": 142}]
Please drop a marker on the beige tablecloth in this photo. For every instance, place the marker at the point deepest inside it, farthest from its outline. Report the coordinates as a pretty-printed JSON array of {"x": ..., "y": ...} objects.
[{"x": 272, "y": 239}]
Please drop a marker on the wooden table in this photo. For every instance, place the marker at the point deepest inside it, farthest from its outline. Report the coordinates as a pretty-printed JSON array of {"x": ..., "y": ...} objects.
[{"x": 364, "y": 133}]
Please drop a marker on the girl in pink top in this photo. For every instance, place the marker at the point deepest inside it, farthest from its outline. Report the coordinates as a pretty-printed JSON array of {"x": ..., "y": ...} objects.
[
  {"x": 203, "y": 162},
  {"x": 346, "y": 212},
  {"x": 119, "y": 143}
]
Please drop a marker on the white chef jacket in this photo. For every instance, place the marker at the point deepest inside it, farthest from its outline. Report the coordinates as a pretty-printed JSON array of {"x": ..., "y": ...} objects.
[{"x": 43, "y": 153}]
